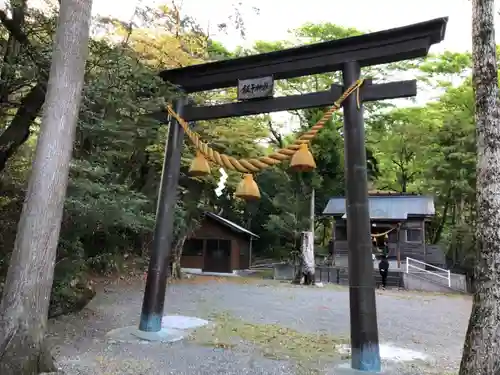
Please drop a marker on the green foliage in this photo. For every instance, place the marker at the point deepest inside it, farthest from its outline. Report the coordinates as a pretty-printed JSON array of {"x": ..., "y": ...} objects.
[
  {"x": 447, "y": 63},
  {"x": 98, "y": 202},
  {"x": 118, "y": 152},
  {"x": 432, "y": 150},
  {"x": 400, "y": 139}
]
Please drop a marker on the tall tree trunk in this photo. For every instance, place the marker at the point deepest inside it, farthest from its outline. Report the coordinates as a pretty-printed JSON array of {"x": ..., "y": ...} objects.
[
  {"x": 25, "y": 302},
  {"x": 176, "y": 257},
  {"x": 436, "y": 237},
  {"x": 307, "y": 264},
  {"x": 481, "y": 354},
  {"x": 307, "y": 253},
  {"x": 309, "y": 250},
  {"x": 193, "y": 221}
]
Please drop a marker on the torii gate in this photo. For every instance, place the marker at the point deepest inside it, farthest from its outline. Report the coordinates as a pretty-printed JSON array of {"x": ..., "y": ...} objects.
[{"x": 347, "y": 55}]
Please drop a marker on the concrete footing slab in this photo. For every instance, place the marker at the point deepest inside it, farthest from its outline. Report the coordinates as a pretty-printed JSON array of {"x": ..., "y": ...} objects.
[
  {"x": 132, "y": 333},
  {"x": 174, "y": 328}
]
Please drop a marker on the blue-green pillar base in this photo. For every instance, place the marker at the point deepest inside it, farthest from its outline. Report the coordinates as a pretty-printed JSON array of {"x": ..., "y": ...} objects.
[{"x": 132, "y": 333}]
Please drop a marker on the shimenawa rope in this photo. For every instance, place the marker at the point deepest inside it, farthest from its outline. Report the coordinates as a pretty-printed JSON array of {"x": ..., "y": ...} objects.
[{"x": 256, "y": 165}]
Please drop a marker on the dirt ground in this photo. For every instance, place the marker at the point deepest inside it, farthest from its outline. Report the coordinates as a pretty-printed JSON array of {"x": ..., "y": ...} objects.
[{"x": 260, "y": 327}]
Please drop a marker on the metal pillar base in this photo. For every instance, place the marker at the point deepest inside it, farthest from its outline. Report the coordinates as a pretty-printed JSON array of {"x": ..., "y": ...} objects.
[{"x": 133, "y": 334}]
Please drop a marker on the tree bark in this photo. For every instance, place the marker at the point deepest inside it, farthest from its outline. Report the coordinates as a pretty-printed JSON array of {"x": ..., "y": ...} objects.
[
  {"x": 25, "y": 302},
  {"x": 176, "y": 258},
  {"x": 18, "y": 131},
  {"x": 436, "y": 237},
  {"x": 307, "y": 253},
  {"x": 481, "y": 353},
  {"x": 193, "y": 222}
]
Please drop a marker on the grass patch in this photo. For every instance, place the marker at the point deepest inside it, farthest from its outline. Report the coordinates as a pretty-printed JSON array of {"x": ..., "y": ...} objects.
[
  {"x": 272, "y": 340},
  {"x": 266, "y": 273},
  {"x": 256, "y": 280},
  {"x": 334, "y": 286},
  {"x": 261, "y": 278},
  {"x": 411, "y": 294},
  {"x": 203, "y": 279}
]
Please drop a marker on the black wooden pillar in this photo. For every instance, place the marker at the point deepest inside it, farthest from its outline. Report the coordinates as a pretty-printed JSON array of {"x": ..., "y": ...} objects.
[
  {"x": 156, "y": 283},
  {"x": 365, "y": 354}
]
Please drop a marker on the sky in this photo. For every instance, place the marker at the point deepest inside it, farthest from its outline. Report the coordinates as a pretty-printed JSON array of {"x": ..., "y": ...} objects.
[{"x": 276, "y": 17}]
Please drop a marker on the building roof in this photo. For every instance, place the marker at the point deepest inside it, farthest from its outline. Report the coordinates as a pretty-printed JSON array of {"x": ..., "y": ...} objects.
[
  {"x": 390, "y": 207},
  {"x": 229, "y": 224}
]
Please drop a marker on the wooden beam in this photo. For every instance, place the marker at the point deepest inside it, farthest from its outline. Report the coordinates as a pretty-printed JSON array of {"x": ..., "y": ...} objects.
[
  {"x": 369, "y": 49},
  {"x": 247, "y": 108},
  {"x": 296, "y": 67},
  {"x": 160, "y": 116},
  {"x": 369, "y": 92},
  {"x": 390, "y": 90}
]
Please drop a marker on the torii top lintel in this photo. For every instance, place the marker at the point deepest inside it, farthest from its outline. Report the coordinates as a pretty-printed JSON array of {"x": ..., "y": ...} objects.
[{"x": 381, "y": 47}]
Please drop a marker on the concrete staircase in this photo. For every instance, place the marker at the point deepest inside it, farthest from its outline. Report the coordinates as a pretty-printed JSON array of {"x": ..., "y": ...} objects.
[
  {"x": 427, "y": 277},
  {"x": 419, "y": 277},
  {"x": 341, "y": 276},
  {"x": 394, "y": 279}
]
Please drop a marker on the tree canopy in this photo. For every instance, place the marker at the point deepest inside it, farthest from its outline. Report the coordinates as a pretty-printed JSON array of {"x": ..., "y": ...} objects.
[{"x": 425, "y": 148}]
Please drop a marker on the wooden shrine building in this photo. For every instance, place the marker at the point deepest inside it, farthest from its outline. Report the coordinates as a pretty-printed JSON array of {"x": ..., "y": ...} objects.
[
  {"x": 402, "y": 216},
  {"x": 219, "y": 245}
]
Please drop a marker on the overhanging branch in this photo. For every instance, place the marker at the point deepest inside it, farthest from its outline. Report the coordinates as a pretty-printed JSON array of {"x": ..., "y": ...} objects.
[{"x": 39, "y": 60}]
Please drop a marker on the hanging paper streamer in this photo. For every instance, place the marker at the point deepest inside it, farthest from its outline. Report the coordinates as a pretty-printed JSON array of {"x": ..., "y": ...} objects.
[
  {"x": 222, "y": 182},
  {"x": 302, "y": 159}
]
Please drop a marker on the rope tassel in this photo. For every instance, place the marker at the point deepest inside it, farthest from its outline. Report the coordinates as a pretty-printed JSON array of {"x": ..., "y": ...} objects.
[
  {"x": 199, "y": 166},
  {"x": 298, "y": 149},
  {"x": 303, "y": 160},
  {"x": 247, "y": 189}
]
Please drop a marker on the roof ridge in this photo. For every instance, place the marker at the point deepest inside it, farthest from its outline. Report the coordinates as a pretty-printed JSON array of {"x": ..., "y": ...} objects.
[{"x": 229, "y": 223}]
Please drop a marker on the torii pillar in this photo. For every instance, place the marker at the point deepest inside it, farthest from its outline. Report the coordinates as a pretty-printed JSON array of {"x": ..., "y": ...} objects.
[{"x": 347, "y": 55}]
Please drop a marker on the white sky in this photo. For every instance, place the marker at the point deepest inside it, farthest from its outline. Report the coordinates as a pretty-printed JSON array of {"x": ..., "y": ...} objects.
[{"x": 278, "y": 16}]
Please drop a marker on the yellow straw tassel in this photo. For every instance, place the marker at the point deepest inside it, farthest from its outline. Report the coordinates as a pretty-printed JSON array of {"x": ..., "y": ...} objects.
[
  {"x": 199, "y": 166},
  {"x": 247, "y": 189},
  {"x": 303, "y": 160}
]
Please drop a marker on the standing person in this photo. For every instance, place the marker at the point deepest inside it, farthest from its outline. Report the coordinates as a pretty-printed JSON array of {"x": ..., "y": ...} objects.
[{"x": 383, "y": 267}]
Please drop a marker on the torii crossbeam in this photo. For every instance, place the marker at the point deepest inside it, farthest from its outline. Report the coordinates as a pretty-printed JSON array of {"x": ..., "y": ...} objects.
[{"x": 347, "y": 55}]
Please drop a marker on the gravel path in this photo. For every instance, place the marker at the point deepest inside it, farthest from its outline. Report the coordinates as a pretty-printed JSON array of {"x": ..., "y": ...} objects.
[{"x": 430, "y": 324}]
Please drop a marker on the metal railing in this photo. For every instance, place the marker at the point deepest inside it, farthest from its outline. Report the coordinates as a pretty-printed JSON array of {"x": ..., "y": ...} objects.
[{"x": 421, "y": 267}]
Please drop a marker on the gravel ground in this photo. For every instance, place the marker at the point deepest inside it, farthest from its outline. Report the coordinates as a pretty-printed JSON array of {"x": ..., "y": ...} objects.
[{"x": 430, "y": 324}]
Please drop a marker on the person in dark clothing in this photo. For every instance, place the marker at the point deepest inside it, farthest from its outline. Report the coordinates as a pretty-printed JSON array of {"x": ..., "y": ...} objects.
[{"x": 383, "y": 267}]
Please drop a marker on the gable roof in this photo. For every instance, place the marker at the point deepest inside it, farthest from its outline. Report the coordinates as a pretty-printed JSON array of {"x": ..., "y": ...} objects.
[
  {"x": 391, "y": 207},
  {"x": 229, "y": 224}
]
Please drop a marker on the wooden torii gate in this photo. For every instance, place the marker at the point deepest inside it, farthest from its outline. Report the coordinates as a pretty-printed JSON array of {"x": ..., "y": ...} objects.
[{"x": 348, "y": 55}]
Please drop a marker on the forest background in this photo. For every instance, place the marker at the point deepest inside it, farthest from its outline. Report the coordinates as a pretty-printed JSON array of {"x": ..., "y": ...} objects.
[{"x": 111, "y": 200}]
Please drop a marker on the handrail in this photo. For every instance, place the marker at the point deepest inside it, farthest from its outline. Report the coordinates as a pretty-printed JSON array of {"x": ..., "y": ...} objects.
[
  {"x": 427, "y": 271},
  {"x": 447, "y": 272},
  {"x": 426, "y": 264}
]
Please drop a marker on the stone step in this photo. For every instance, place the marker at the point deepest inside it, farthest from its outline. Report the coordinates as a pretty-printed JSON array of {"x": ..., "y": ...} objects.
[
  {"x": 341, "y": 276},
  {"x": 394, "y": 279}
]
